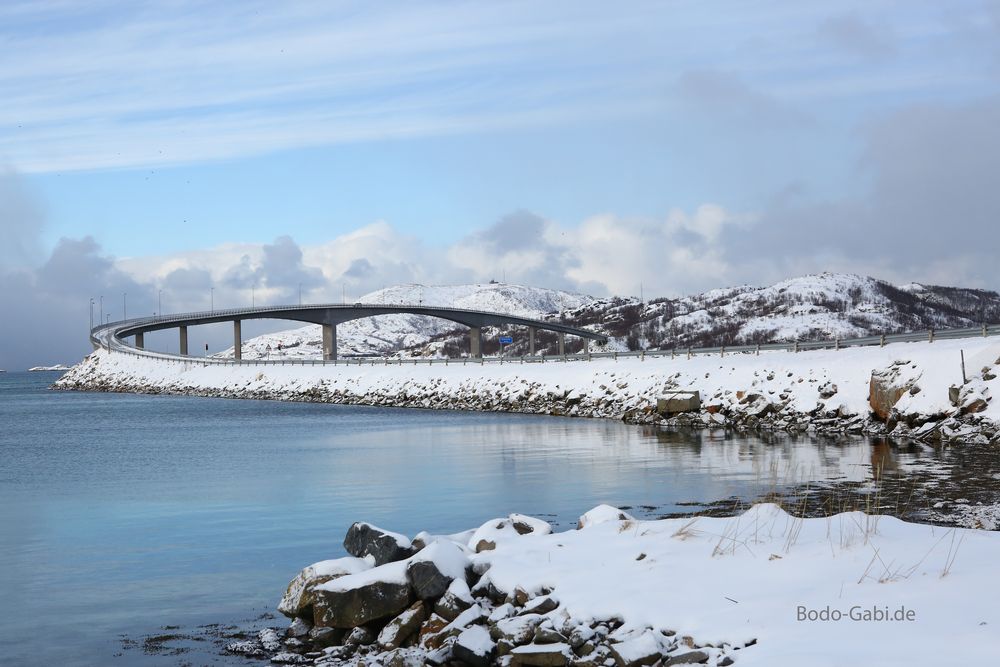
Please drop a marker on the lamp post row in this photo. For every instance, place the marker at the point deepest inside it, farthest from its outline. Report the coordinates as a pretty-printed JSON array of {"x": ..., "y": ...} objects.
[{"x": 159, "y": 304}]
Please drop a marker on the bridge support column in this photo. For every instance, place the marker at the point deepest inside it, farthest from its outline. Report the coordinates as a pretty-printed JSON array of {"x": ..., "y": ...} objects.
[
  {"x": 140, "y": 340},
  {"x": 237, "y": 339},
  {"x": 586, "y": 346},
  {"x": 475, "y": 341},
  {"x": 531, "y": 341},
  {"x": 183, "y": 333},
  {"x": 562, "y": 343},
  {"x": 330, "y": 342}
]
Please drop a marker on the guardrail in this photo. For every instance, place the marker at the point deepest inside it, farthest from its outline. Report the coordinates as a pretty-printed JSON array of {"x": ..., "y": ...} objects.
[{"x": 103, "y": 336}]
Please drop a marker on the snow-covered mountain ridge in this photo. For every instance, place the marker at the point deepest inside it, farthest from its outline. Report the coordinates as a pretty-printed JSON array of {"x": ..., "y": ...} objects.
[{"x": 822, "y": 306}]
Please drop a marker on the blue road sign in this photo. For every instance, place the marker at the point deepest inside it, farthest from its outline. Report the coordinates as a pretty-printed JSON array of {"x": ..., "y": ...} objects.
[{"x": 506, "y": 340}]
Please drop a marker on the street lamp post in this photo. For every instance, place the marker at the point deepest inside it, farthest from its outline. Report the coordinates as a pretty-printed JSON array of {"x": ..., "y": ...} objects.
[
  {"x": 213, "y": 299},
  {"x": 102, "y": 309},
  {"x": 159, "y": 302},
  {"x": 91, "y": 313}
]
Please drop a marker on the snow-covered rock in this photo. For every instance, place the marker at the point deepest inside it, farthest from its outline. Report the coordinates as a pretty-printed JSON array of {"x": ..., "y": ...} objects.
[
  {"x": 474, "y": 646},
  {"x": 357, "y": 599},
  {"x": 488, "y": 535},
  {"x": 364, "y": 539},
  {"x": 401, "y": 628},
  {"x": 298, "y": 598},
  {"x": 603, "y": 514},
  {"x": 432, "y": 570}
]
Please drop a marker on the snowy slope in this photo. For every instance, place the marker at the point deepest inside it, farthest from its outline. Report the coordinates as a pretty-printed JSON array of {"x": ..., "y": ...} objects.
[
  {"x": 387, "y": 334},
  {"x": 822, "y": 306}
]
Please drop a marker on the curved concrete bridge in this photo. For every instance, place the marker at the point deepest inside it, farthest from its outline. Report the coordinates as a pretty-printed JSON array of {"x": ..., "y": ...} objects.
[{"x": 329, "y": 316}]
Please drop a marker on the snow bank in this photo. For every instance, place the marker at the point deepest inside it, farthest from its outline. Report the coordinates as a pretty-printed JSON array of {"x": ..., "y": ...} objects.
[
  {"x": 814, "y": 390},
  {"x": 745, "y": 578},
  {"x": 762, "y": 588}
]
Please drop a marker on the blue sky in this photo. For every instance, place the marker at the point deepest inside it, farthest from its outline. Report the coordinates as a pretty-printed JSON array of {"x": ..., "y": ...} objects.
[{"x": 681, "y": 145}]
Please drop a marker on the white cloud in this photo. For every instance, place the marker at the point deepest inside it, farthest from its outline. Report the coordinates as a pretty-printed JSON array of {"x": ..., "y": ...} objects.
[{"x": 603, "y": 255}]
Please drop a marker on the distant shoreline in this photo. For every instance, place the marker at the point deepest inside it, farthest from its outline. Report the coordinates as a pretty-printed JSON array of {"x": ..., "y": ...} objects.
[{"x": 906, "y": 390}]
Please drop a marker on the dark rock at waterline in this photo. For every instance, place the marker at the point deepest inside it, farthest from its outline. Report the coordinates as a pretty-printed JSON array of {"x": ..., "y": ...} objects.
[
  {"x": 324, "y": 637},
  {"x": 364, "y": 539},
  {"x": 362, "y": 604}
]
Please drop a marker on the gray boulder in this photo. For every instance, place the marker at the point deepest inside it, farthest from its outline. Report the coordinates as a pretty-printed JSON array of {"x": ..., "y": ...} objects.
[
  {"x": 357, "y": 605},
  {"x": 678, "y": 402},
  {"x": 431, "y": 571},
  {"x": 364, "y": 539}
]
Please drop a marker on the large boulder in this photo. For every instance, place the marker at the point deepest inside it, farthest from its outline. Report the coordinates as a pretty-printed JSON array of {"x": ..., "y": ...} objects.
[
  {"x": 888, "y": 385},
  {"x": 357, "y": 599},
  {"x": 487, "y": 536},
  {"x": 364, "y": 539},
  {"x": 297, "y": 601},
  {"x": 677, "y": 402},
  {"x": 602, "y": 514},
  {"x": 432, "y": 570}
]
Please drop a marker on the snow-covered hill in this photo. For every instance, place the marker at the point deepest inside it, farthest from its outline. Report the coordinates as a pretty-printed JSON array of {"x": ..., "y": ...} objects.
[
  {"x": 389, "y": 334},
  {"x": 810, "y": 307},
  {"x": 823, "y": 306}
]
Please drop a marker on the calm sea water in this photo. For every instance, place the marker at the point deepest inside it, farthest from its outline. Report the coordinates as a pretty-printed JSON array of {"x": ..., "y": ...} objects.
[{"x": 122, "y": 514}]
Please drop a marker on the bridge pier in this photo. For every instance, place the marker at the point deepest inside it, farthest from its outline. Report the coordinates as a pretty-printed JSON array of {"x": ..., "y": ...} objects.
[
  {"x": 183, "y": 332},
  {"x": 329, "y": 342},
  {"x": 586, "y": 346},
  {"x": 237, "y": 339},
  {"x": 562, "y": 343},
  {"x": 531, "y": 341},
  {"x": 475, "y": 342},
  {"x": 140, "y": 340}
]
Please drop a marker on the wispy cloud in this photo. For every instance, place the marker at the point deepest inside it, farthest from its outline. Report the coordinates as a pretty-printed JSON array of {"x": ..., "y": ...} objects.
[{"x": 114, "y": 84}]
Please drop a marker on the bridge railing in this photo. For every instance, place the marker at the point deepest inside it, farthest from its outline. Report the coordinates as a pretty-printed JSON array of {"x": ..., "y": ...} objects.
[{"x": 104, "y": 337}]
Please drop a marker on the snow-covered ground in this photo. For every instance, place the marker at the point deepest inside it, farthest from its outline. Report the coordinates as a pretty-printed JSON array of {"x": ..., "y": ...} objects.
[
  {"x": 735, "y": 580},
  {"x": 762, "y": 588},
  {"x": 777, "y": 388}
]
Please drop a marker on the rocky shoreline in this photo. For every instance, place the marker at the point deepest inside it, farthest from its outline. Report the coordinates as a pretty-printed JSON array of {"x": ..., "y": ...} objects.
[
  {"x": 904, "y": 398},
  {"x": 623, "y": 592},
  {"x": 401, "y": 603}
]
